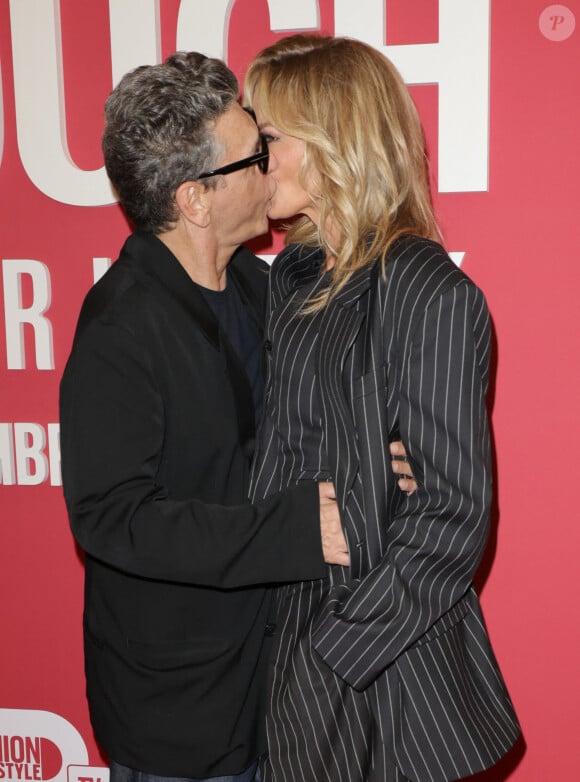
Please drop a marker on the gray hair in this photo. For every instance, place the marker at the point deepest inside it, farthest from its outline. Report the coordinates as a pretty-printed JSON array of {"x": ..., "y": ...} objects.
[{"x": 158, "y": 132}]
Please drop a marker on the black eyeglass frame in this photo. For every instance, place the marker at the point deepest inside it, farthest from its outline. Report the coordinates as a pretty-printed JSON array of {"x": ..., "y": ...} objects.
[{"x": 260, "y": 159}]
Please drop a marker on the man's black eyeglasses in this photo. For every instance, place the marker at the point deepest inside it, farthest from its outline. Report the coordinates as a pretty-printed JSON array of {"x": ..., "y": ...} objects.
[{"x": 260, "y": 159}]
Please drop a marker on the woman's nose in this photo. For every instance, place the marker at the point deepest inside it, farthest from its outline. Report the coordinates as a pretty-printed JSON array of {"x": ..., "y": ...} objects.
[{"x": 272, "y": 162}]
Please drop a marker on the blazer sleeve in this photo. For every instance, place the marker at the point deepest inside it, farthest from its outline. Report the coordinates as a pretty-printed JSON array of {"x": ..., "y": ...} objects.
[
  {"x": 112, "y": 430},
  {"x": 437, "y": 536}
]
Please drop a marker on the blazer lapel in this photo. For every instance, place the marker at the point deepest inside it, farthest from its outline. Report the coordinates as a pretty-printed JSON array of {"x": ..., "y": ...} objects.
[
  {"x": 156, "y": 260},
  {"x": 340, "y": 326}
]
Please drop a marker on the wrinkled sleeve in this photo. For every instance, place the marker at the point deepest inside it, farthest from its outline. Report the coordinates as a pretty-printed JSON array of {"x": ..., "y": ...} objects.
[{"x": 112, "y": 436}]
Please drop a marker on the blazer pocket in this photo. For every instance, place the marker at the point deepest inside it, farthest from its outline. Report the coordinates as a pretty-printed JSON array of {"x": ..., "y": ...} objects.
[
  {"x": 175, "y": 655},
  {"x": 372, "y": 382},
  {"x": 444, "y": 623}
]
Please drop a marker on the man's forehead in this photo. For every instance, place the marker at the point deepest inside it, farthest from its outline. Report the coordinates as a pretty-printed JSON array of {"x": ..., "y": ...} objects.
[{"x": 235, "y": 128}]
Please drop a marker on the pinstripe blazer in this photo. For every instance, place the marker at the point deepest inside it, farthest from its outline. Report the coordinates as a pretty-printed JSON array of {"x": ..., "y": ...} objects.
[{"x": 408, "y": 350}]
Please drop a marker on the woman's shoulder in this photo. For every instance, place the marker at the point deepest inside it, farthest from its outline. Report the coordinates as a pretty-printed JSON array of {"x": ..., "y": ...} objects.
[
  {"x": 416, "y": 253},
  {"x": 417, "y": 267}
]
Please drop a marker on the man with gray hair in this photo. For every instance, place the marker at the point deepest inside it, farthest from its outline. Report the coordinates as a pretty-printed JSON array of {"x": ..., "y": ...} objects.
[{"x": 159, "y": 403}]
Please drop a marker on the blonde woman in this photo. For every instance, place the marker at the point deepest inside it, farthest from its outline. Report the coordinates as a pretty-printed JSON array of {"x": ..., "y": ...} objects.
[{"x": 382, "y": 671}]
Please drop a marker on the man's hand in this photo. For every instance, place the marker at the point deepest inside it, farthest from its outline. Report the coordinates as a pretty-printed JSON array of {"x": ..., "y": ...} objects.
[
  {"x": 334, "y": 548},
  {"x": 400, "y": 466}
]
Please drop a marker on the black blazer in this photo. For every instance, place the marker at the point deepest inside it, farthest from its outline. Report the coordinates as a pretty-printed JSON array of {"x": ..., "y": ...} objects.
[
  {"x": 157, "y": 436},
  {"x": 408, "y": 353}
]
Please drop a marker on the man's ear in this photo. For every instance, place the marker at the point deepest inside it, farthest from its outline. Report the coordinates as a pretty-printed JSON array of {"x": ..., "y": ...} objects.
[{"x": 193, "y": 201}]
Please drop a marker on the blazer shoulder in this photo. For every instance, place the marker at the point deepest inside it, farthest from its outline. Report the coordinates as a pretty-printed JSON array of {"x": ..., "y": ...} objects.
[
  {"x": 107, "y": 299},
  {"x": 418, "y": 271}
]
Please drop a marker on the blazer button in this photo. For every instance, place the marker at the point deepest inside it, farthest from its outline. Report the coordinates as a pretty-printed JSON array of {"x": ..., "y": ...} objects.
[
  {"x": 269, "y": 628},
  {"x": 268, "y": 345}
]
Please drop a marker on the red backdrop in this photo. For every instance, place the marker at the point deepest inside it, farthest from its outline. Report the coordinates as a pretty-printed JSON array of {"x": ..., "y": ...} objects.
[{"x": 497, "y": 87}]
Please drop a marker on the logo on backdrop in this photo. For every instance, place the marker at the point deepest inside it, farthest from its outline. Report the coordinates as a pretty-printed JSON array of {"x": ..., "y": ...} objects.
[
  {"x": 41, "y": 745},
  {"x": 557, "y": 22},
  {"x": 29, "y": 757}
]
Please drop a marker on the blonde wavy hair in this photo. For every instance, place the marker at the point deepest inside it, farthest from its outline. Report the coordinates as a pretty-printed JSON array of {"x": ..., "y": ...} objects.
[{"x": 364, "y": 146}]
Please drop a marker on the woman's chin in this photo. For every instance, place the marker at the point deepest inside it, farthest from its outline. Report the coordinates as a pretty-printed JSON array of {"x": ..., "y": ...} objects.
[
  {"x": 278, "y": 210},
  {"x": 274, "y": 214}
]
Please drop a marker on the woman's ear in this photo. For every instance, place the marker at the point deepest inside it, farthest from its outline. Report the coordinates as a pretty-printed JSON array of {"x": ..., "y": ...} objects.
[{"x": 193, "y": 202}]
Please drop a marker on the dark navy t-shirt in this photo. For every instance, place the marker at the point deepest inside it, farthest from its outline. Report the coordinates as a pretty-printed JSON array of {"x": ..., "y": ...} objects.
[{"x": 243, "y": 334}]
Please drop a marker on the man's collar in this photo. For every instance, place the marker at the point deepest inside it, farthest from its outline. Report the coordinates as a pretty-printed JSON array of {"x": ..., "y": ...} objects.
[{"x": 157, "y": 261}]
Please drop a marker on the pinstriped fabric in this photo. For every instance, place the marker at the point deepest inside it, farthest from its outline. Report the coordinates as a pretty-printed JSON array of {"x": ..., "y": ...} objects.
[{"x": 386, "y": 668}]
